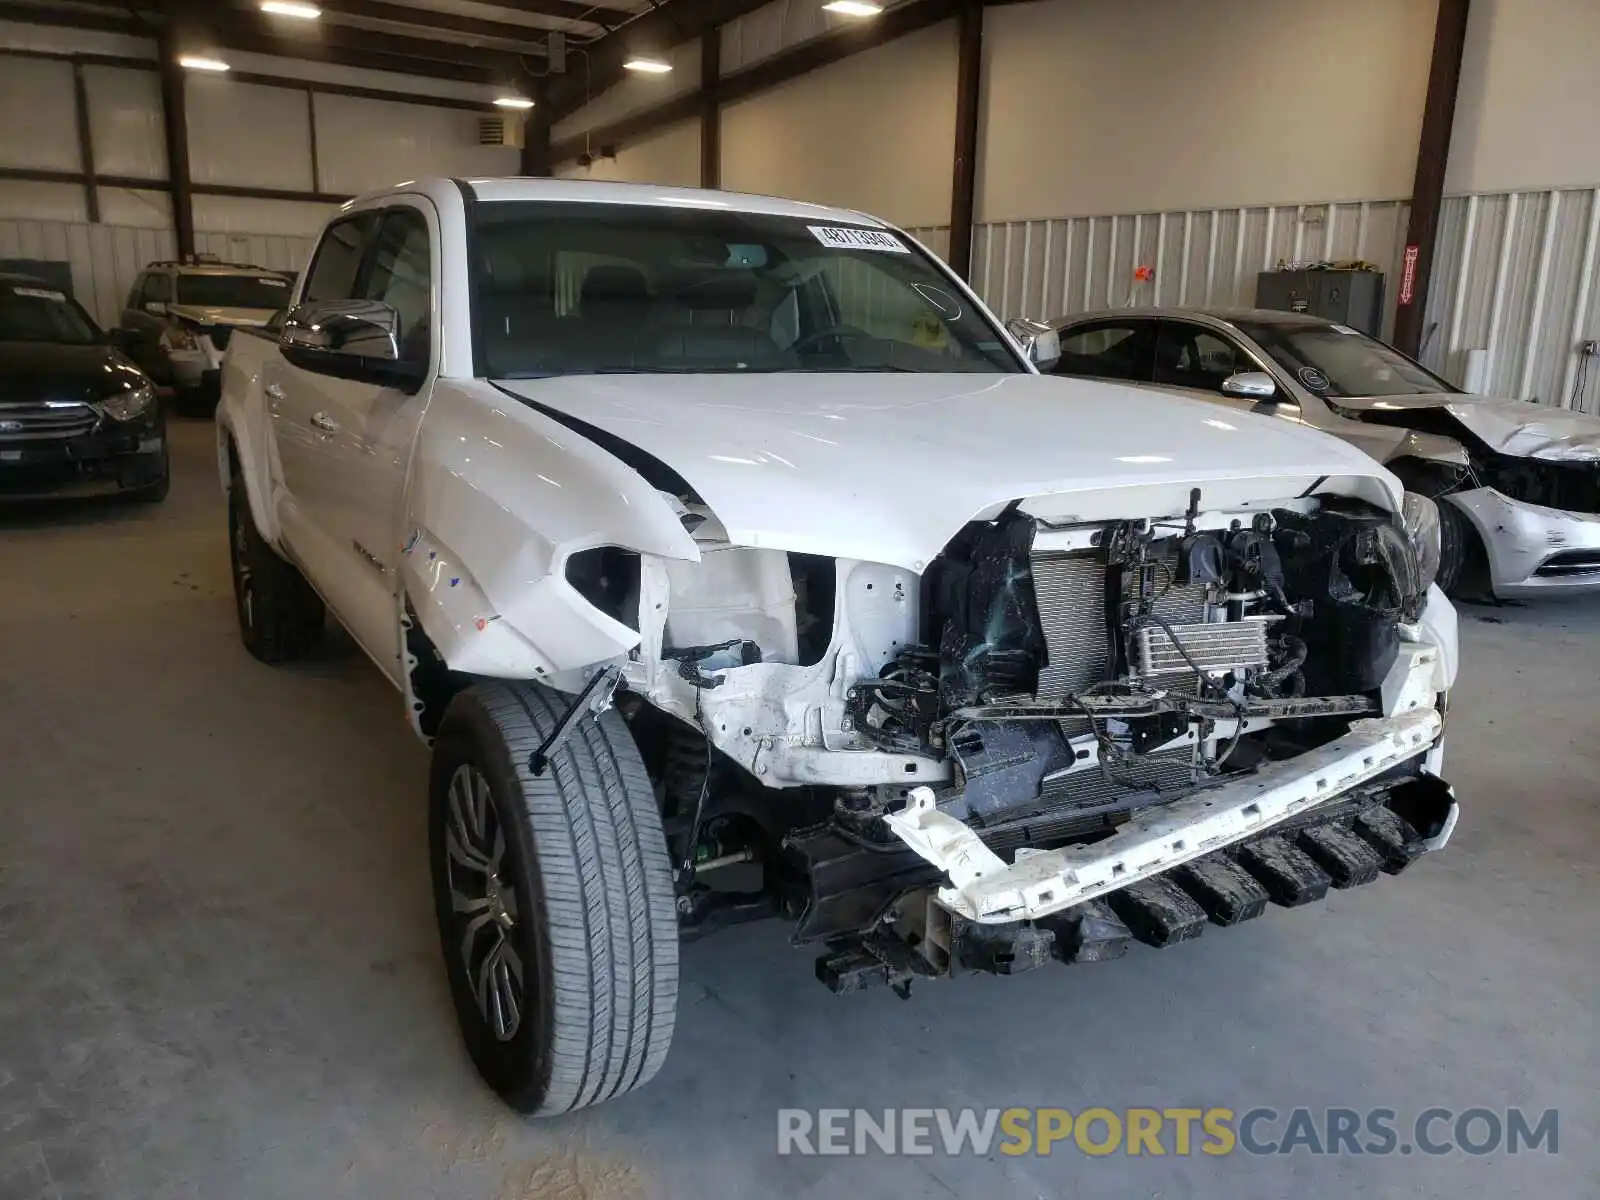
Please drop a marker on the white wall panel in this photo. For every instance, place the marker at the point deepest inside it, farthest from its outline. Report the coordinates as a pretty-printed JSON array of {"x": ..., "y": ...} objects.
[
  {"x": 240, "y": 215},
  {"x": 125, "y": 121},
  {"x": 143, "y": 208},
  {"x": 366, "y": 144},
  {"x": 1514, "y": 276},
  {"x": 276, "y": 252},
  {"x": 671, "y": 156},
  {"x": 247, "y": 134},
  {"x": 26, "y": 200},
  {"x": 104, "y": 258},
  {"x": 773, "y": 28},
  {"x": 416, "y": 85},
  {"x": 1051, "y": 268},
  {"x": 1102, "y": 106},
  {"x": 38, "y": 124},
  {"x": 636, "y": 91},
  {"x": 1529, "y": 97},
  {"x": 62, "y": 40},
  {"x": 872, "y": 132}
]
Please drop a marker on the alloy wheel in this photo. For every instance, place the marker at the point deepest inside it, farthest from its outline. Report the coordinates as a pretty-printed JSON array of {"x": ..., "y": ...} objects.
[{"x": 485, "y": 902}]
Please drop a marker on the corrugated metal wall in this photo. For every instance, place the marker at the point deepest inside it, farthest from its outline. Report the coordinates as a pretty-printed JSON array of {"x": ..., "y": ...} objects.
[
  {"x": 1050, "y": 268},
  {"x": 1514, "y": 275},
  {"x": 105, "y": 258},
  {"x": 1515, "y": 278}
]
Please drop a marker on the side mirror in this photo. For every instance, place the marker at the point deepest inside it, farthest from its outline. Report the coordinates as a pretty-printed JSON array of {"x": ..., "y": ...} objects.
[
  {"x": 1040, "y": 341},
  {"x": 349, "y": 339},
  {"x": 1251, "y": 385},
  {"x": 155, "y": 308}
]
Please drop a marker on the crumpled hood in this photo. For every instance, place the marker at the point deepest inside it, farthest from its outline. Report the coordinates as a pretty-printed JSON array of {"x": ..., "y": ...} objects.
[
  {"x": 888, "y": 467},
  {"x": 1512, "y": 427},
  {"x": 202, "y": 314}
]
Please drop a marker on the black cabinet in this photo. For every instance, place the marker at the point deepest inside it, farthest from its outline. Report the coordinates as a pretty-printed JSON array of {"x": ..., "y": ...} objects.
[{"x": 1353, "y": 298}]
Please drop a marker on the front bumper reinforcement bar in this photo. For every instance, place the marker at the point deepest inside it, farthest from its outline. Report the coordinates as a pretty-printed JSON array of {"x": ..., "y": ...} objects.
[{"x": 985, "y": 889}]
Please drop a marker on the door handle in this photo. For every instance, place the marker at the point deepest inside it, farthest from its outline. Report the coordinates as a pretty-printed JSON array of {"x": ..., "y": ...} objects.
[
  {"x": 273, "y": 391},
  {"x": 324, "y": 422}
]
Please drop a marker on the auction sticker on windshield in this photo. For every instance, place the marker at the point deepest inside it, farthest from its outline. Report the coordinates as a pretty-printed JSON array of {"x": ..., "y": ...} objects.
[
  {"x": 38, "y": 293},
  {"x": 843, "y": 238}
]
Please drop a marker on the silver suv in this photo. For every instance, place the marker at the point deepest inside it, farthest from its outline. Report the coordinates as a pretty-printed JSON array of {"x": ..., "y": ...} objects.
[{"x": 180, "y": 316}]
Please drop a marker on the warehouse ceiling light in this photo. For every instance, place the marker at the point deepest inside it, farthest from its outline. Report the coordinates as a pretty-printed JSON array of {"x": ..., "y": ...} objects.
[
  {"x": 853, "y": 8},
  {"x": 648, "y": 65},
  {"x": 202, "y": 62},
  {"x": 512, "y": 102},
  {"x": 289, "y": 8}
]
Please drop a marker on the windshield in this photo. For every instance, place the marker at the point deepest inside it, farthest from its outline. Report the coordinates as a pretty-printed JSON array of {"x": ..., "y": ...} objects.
[
  {"x": 585, "y": 288},
  {"x": 1340, "y": 362},
  {"x": 270, "y": 292},
  {"x": 37, "y": 313}
]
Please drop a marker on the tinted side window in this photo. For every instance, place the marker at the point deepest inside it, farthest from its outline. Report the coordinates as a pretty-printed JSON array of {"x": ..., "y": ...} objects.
[
  {"x": 158, "y": 286},
  {"x": 399, "y": 276},
  {"x": 1109, "y": 350},
  {"x": 1194, "y": 357},
  {"x": 337, "y": 261},
  {"x": 136, "y": 293}
]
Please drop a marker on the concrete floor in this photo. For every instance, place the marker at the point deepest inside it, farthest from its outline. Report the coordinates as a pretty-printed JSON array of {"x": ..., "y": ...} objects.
[{"x": 219, "y": 974}]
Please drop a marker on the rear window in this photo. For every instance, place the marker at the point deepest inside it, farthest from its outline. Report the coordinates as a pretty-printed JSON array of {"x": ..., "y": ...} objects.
[{"x": 266, "y": 290}]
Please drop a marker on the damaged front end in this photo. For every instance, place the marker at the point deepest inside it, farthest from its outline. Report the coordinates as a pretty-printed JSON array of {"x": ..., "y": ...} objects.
[
  {"x": 1060, "y": 736},
  {"x": 1529, "y": 487},
  {"x": 1151, "y": 725}
]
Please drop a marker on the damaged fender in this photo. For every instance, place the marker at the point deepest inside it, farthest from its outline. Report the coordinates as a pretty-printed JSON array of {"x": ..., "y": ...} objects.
[{"x": 495, "y": 508}]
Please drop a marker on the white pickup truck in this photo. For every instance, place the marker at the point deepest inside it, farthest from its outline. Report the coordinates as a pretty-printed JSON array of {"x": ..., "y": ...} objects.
[{"x": 737, "y": 563}]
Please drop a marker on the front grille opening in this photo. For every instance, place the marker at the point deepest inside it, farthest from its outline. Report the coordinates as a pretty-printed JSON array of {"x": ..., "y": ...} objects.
[{"x": 1570, "y": 562}]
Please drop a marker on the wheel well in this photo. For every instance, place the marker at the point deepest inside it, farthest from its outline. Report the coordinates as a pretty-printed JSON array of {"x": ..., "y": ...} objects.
[{"x": 430, "y": 684}]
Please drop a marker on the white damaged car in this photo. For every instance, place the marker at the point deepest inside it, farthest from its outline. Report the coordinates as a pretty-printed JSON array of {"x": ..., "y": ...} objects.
[
  {"x": 738, "y": 565},
  {"x": 1518, "y": 483}
]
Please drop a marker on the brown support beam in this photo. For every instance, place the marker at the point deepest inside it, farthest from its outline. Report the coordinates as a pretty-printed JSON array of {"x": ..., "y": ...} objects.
[
  {"x": 264, "y": 79},
  {"x": 660, "y": 29},
  {"x": 77, "y": 178},
  {"x": 80, "y": 102},
  {"x": 175, "y": 123},
  {"x": 765, "y": 75},
  {"x": 711, "y": 108},
  {"x": 311, "y": 137},
  {"x": 1427, "y": 192},
  {"x": 449, "y": 22},
  {"x": 964, "y": 170},
  {"x": 536, "y": 137}
]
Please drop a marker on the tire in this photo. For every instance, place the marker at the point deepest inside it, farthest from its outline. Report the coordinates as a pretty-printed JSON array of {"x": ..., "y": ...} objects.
[
  {"x": 280, "y": 617},
  {"x": 573, "y": 885},
  {"x": 1458, "y": 551}
]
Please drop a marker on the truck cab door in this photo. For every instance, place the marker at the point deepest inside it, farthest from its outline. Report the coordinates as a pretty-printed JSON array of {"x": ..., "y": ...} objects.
[{"x": 349, "y": 439}]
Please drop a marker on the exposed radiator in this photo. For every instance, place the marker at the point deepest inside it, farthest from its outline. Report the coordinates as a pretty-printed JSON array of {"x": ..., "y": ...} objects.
[
  {"x": 1070, "y": 590},
  {"x": 1211, "y": 646}
]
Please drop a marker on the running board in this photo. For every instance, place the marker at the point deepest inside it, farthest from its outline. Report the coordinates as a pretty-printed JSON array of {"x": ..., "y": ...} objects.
[{"x": 984, "y": 888}]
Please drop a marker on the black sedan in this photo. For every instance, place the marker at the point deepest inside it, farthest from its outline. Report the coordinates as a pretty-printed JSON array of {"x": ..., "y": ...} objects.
[{"x": 75, "y": 414}]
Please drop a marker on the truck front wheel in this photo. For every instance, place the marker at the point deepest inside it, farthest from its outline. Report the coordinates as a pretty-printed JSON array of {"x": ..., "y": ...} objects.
[{"x": 555, "y": 900}]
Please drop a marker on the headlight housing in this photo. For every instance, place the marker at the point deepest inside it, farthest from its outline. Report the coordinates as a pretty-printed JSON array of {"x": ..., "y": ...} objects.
[
  {"x": 178, "y": 337},
  {"x": 1419, "y": 516},
  {"x": 129, "y": 405}
]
